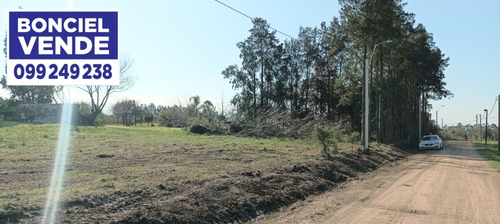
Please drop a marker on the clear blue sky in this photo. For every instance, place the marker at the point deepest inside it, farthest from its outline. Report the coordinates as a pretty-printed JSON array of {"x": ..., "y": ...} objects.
[{"x": 179, "y": 47}]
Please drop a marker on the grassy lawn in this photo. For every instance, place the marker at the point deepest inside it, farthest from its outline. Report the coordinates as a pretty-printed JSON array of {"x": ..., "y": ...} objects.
[
  {"x": 489, "y": 152},
  {"x": 111, "y": 158},
  {"x": 114, "y": 172}
]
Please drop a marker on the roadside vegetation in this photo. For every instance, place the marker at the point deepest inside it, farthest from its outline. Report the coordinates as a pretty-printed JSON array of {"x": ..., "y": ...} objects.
[
  {"x": 473, "y": 132},
  {"x": 316, "y": 76},
  {"x": 121, "y": 157},
  {"x": 138, "y": 164},
  {"x": 489, "y": 152},
  {"x": 292, "y": 129}
]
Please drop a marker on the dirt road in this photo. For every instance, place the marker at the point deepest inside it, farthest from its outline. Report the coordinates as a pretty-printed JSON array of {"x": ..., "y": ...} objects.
[{"x": 453, "y": 185}]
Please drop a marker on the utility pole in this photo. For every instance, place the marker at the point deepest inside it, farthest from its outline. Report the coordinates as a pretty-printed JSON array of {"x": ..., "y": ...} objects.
[
  {"x": 367, "y": 97},
  {"x": 419, "y": 117},
  {"x": 437, "y": 120},
  {"x": 480, "y": 128},
  {"x": 498, "y": 124},
  {"x": 367, "y": 107},
  {"x": 486, "y": 129},
  {"x": 475, "y": 133}
]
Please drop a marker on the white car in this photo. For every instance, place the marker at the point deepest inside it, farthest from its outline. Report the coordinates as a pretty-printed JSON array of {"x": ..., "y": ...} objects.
[{"x": 431, "y": 142}]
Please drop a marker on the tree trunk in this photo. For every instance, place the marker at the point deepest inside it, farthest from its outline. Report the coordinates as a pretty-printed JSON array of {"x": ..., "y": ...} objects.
[
  {"x": 379, "y": 104},
  {"x": 254, "y": 91},
  {"x": 261, "y": 86},
  {"x": 93, "y": 117}
]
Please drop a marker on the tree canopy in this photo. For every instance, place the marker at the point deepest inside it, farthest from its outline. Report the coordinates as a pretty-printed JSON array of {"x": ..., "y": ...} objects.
[{"x": 320, "y": 72}]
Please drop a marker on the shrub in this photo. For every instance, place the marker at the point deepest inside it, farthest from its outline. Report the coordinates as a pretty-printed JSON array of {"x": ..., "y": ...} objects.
[
  {"x": 328, "y": 136},
  {"x": 102, "y": 119}
]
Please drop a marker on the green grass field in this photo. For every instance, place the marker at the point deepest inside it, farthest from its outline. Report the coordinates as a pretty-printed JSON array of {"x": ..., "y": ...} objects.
[
  {"x": 110, "y": 158},
  {"x": 128, "y": 169},
  {"x": 489, "y": 152}
]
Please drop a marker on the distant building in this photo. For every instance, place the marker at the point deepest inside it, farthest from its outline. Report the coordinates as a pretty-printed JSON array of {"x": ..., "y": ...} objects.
[{"x": 44, "y": 113}]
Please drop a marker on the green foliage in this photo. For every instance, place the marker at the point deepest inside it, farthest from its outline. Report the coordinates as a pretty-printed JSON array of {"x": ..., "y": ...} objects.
[
  {"x": 208, "y": 111},
  {"x": 328, "y": 137},
  {"x": 150, "y": 112},
  {"x": 149, "y": 118},
  {"x": 193, "y": 108},
  {"x": 84, "y": 114},
  {"x": 473, "y": 132},
  {"x": 29, "y": 94},
  {"x": 175, "y": 116},
  {"x": 9, "y": 109},
  {"x": 102, "y": 119},
  {"x": 352, "y": 138},
  {"x": 321, "y": 71},
  {"x": 127, "y": 111},
  {"x": 490, "y": 152},
  {"x": 99, "y": 95},
  {"x": 195, "y": 113}
]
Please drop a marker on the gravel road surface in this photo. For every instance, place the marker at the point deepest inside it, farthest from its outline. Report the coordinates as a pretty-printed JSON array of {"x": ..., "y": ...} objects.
[{"x": 453, "y": 185}]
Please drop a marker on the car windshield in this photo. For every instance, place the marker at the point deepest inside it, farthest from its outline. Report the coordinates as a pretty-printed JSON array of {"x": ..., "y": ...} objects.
[{"x": 427, "y": 138}]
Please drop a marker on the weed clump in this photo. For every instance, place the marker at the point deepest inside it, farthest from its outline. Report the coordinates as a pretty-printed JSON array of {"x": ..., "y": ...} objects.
[{"x": 328, "y": 137}]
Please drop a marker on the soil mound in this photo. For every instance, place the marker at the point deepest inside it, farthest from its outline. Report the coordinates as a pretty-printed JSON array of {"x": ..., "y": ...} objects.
[
  {"x": 229, "y": 198},
  {"x": 236, "y": 197}
]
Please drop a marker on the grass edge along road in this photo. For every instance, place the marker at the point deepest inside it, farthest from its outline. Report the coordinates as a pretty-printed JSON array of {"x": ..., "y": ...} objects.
[
  {"x": 112, "y": 164},
  {"x": 490, "y": 153}
]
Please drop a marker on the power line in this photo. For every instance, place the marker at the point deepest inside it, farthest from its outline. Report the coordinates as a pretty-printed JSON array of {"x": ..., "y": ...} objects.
[
  {"x": 495, "y": 103},
  {"x": 252, "y": 19},
  {"x": 243, "y": 14}
]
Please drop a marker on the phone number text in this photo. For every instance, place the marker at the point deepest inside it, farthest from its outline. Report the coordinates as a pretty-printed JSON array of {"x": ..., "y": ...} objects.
[{"x": 66, "y": 71}]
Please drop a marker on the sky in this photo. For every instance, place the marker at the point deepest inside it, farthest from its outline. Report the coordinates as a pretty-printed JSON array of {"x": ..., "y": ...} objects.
[{"x": 179, "y": 48}]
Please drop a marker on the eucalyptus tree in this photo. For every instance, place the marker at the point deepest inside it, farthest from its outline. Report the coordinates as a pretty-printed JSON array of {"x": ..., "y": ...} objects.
[
  {"x": 308, "y": 39},
  {"x": 412, "y": 67},
  {"x": 256, "y": 76}
]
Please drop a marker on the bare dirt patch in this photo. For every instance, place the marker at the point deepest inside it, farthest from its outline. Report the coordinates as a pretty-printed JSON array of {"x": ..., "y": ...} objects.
[
  {"x": 162, "y": 178},
  {"x": 227, "y": 198},
  {"x": 238, "y": 197}
]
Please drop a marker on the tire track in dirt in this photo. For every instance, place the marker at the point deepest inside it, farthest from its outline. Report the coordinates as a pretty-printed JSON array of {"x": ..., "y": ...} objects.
[{"x": 454, "y": 185}]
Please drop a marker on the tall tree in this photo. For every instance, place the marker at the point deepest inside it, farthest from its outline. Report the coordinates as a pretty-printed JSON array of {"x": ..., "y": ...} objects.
[
  {"x": 127, "y": 110},
  {"x": 258, "y": 54},
  {"x": 308, "y": 39},
  {"x": 246, "y": 100},
  {"x": 99, "y": 95},
  {"x": 322, "y": 71},
  {"x": 9, "y": 109},
  {"x": 291, "y": 71},
  {"x": 208, "y": 110},
  {"x": 194, "y": 106}
]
